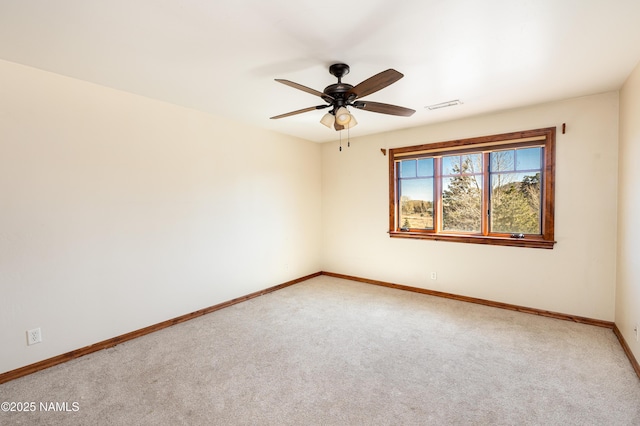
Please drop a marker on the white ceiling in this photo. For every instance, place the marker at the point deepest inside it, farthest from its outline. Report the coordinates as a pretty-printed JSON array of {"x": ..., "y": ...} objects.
[{"x": 221, "y": 57}]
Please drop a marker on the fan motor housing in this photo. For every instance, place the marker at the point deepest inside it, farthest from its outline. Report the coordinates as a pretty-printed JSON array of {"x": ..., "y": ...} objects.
[{"x": 338, "y": 92}]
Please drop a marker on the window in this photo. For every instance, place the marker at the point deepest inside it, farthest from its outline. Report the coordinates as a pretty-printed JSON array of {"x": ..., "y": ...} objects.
[{"x": 491, "y": 190}]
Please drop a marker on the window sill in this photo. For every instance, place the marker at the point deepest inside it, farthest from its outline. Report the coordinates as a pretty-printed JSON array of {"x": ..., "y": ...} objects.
[{"x": 476, "y": 239}]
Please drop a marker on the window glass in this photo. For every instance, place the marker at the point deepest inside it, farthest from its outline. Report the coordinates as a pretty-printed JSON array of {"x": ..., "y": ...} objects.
[
  {"x": 503, "y": 161},
  {"x": 425, "y": 167},
  {"x": 516, "y": 196},
  {"x": 462, "y": 193},
  {"x": 471, "y": 163},
  {"x": 408, "y": 169},
  {"x": 416, "y": 193},
  {"x": 451, "y": 165},
  {"x": 462, "y": 203},
  {"x": 416, "y": 203},
  {"x": 529, "y": 158},
  {"x": 515, "y": 203}
]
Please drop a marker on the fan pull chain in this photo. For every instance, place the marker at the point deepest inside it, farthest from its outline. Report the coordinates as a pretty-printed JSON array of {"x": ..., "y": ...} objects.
[{"x": 340, "y": 140}]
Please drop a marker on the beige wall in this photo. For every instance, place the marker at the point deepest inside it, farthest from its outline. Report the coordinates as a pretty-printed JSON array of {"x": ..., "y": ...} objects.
[
  {"x": 576, "y": 277},
  {"x": 117, "y": 212},
  {"x": 628, "y": 285}
]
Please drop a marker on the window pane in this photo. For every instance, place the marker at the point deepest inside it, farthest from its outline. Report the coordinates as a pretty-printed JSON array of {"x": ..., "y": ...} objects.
[
  {"x": 528, "y": 158},
  {"x": 451, "y": 165},
  {"x": 462, "y": 203},
  {"x": 407, "y": 168},
  {"x": 515, "y": 203},
  {"x": 416, "y": 203},
  {"x": 502, "y": 161},
  {"x": 471, "y": 163},
  {"x": 425, "y": 167}
]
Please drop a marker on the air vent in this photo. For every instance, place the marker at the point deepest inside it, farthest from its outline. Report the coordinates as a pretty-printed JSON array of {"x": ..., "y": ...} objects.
[{"x": 444, "y": 104}]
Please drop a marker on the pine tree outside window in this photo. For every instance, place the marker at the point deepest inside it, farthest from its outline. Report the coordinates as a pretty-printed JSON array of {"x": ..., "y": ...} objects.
[{"x": 495, "y": 189}]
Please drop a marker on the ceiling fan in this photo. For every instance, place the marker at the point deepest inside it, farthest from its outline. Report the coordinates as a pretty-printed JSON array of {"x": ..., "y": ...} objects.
[{"x": 341, "y": 95}]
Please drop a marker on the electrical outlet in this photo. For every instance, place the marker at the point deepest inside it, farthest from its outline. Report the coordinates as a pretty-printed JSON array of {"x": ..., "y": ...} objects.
[
  {"x": 434, "y": 275},
  {"x": 34, "y": 336}
]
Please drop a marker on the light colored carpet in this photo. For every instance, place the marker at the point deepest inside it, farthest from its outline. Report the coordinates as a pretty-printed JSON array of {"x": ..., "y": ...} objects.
[{"x": 335, "y": 352}]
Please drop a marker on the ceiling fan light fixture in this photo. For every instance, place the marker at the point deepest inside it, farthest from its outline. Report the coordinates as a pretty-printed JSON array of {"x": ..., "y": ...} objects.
[
  {"x": 328, "y": 120},
  {"x": 342, "y": 116},
  {"x": 351, "y": 123}
]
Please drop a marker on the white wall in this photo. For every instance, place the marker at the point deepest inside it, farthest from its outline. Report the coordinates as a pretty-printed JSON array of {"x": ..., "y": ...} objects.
[
  {"x": 576, "y": 277},
  {"x": 118, "y": 212},
  {"x": 628, "y": 285}
]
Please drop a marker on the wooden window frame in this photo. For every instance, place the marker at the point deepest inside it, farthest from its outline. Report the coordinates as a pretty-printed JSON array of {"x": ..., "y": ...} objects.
[{"x": 545, "y": 137}]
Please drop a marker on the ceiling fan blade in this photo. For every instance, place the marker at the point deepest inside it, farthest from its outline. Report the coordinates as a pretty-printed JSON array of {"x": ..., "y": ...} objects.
[
  {"x": 384, "y": 108},
  {"x": 375, "y": 83},
  {"x": 304, "y": 88},
  {"x": 300, "y": 111}
]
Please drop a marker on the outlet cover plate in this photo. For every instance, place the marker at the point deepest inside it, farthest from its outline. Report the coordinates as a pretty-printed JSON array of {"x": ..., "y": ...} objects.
[{"x": 34, "y": 336}]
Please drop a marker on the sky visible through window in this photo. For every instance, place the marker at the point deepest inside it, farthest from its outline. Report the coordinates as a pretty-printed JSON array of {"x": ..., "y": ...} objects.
[{"x": 417, "y": 179}]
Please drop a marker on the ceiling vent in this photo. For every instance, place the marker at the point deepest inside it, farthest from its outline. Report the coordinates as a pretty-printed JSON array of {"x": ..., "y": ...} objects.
[{"x": 444, "y": 104}]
